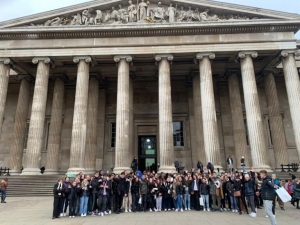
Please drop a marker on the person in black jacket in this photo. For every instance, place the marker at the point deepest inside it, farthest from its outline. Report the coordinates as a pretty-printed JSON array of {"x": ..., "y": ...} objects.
[
  {"x": 73, "y": 196},
  {"x": 58, "y": 191},
  {"x": 249, "y": 190},
  {"x": 134, "y": 165},
  {"x": 103, "y": 194},
  {"x": 268, "y": 195},
  {"x": 135, "y": 193},
  {"x": 195, "y": 188},
  {"x": 95, "y": 182},
  {"x": 123, "y": 190},
  {"x": 204, "y": 193}
]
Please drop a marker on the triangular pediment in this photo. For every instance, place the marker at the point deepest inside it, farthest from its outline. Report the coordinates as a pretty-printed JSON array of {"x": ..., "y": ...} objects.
[{"x": 139, "y": 12}]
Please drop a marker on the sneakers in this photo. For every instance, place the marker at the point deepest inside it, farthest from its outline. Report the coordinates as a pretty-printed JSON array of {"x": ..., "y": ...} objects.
[
  {"x": 224, "y": 209},
  {"x": 105, "y": 213},
  {"x": 181, "y": 210},
  {"x": 165, "y": 210},
  {"x": 150, "y": 210},
  {"x": 102, "y": 214},
  {"x": 70, "y": 216},
  {"x": 169, "y": 209},
  {"x": 189, "y": 209},
  {"x": 233, "y": 211},
  {"x": 109, "y": 212},
  {"x": 73, "y": 216},
  {"x": 126, "y": 210},
  {"x": 208, "y": 210},
  {"x": 81, "y": 214},
  {"x": 266, "y": 216},
  {"x": 282, "y": 208},
  {"x": 176, "y": 210},
  {"x": 185, "y": 209},
  {"x": 253, "y": 215},
  {"x": 129, "y": 210},
  {"x": 204, "y": 210},
  {"x": 61, "y": 215},
  {"x": 84, "y": 215},
  {"x": 155, "y": 209}
]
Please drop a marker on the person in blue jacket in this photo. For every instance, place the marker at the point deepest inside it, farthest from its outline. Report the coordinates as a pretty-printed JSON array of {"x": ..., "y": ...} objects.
[{"x": 280, "y": 202}]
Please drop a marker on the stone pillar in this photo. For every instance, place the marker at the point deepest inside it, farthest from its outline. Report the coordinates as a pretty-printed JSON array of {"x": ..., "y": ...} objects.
[
  {"x": 199, "y": 153},
  {"x": 276, "y": 123},
  {"x": 253, "y": 113},
  {"x": 293, "y": 91},
  {"x": 37, "y": 118},
  {"x": 131, "y": 121},
  {"x": 166, "y": 146},
  {"x": 209, "y": 118},
  {"x": 55, "y": 128},
  {"x": 4, "y": 79},
  {"x": 16, "y": 152},
  {"x": 78, "y": 142},
  {"x": 92, "y": 123},
  {"x": 239, "y": 132},
  {"x": 122, "y": 152}
]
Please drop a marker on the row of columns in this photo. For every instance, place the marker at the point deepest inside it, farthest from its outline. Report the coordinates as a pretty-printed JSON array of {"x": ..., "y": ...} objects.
[{"x": 83, "y": 145}]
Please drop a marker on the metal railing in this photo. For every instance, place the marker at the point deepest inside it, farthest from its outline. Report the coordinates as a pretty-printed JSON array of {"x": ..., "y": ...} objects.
[
  {"x": 293, "y": 167},
  {"x": 4, "y": 171}
]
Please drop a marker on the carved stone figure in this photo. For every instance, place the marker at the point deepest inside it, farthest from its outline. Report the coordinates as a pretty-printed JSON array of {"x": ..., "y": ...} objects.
[
  {"x": 123, "y": 16},
  {"x": 204, "y": 15},
  {"x": 132, "y": 13},
  {"x": 86, "y": 17},
  {"x": 114, "y": 15},
  {"x": 158, "y": 13},
  {"x": 99, "y": 17},
  {"x": 181, "y": 15},
  {"x": 54, "y": 22},
  {"x": 196, "y": 15},
  {"x": 142, "y": 8},
  {"x": 171, "y": 13},
  {"x": 76, "y": 20},
  {"x": 189, "y": 14}
]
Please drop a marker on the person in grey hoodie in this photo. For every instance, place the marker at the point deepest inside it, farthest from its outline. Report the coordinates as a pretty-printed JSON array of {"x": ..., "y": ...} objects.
[{"x": 144, "y": 191}]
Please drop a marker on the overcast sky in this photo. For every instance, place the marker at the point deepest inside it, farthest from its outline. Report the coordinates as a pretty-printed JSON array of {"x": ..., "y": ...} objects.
[{"x": 11, "y": 9}]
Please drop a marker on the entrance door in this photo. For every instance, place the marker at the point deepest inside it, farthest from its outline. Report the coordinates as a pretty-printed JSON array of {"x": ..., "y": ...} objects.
[{"x": 147, "y": 153}]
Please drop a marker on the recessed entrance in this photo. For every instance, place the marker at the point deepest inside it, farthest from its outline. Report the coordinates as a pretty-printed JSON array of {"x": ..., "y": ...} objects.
[{"x": 147, "y": 153}]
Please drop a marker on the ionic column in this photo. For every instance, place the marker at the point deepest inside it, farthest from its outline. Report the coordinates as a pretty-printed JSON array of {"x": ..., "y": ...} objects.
[
  {"x": 37, "y": 118},
  {"x": 166, "y": 146},
  {"x": 276, "y": 123},
  {"x": 4, "y": 79},
  {"x": 16, "y": 152},
  {"x": 122, "y": 152},
  {"x": 253, "y": 114},
  {"x": 92, "y": 123},
  {"x": 131, "y": 121},
  {"x": 293, "y": 90},
  {"x": 199, "y": 153},
  {"x": 239, "y": 132},
  {"x": 209, "y": 118},
  {"x": 78, "y": 141},
  {"x": 55, "y": 128}
]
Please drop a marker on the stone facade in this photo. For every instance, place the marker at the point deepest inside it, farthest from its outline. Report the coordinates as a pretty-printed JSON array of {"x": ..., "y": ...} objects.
[{"x": 197, "y": 84}]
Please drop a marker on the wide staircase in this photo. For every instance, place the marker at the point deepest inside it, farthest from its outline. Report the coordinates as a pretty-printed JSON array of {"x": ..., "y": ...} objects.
[
  {"x": 27, "y": 186},
  {"x": 42, "y": 185}
]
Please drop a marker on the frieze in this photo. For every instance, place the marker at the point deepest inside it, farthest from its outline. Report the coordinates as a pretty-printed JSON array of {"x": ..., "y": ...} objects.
[{"x": 143, "y": 12}]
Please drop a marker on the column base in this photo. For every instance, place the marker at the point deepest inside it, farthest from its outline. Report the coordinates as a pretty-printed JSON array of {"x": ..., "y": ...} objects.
[
  {"x": 119, "y": 170},
  {"x": 51, "y": 172},
  {"x": 72, "y": 172},
  {"x": 167, "y": 169},
  {"x": 258, "y": 168},
  {"x": 15, "y": 172},
  {"x": 31, "y": 171},
  {"x": 90, "y": 171}
]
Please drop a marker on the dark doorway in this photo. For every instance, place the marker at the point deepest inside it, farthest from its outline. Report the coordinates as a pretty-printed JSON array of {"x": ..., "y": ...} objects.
[{"x": 147, "y": 153}]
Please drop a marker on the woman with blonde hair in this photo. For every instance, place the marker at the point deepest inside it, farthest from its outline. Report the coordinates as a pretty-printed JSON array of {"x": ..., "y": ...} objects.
[{"x": 84, "y": 197}]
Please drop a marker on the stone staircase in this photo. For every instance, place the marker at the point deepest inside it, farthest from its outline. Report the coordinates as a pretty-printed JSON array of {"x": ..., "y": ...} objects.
[{"x": 27, "y": 186}]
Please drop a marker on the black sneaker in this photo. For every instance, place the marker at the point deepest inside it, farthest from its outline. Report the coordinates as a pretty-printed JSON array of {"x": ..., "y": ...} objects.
[{"x": 282, "y": 209}]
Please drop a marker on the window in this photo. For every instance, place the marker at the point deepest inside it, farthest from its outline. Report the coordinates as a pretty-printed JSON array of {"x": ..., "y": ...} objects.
[
  {"x": 26, "y": 136},
  {"x": 247, "y": 133},
  {"x": 178, "y": 138},
  {"x": 113, "y": 135}
]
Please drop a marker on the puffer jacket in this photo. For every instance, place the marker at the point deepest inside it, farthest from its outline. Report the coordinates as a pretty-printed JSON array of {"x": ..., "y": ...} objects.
[
  {"x": 267, "y": 189},
  {"x": 296, "y": 194}
]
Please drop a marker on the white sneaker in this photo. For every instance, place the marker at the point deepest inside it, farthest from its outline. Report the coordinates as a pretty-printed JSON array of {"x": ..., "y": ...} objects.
[
  {"x": 81, "y": 214},
  {"x": 233, "y": 211},
  {"x": 253, "y": 215},
  {"x": 204, "y": 210},
  {"x": 109, "y": 212},
  {"x": 102, "y": 214},
  {"x": 129, "y": 210},
  {"x": 267, "y": 216},
  {"x": 155, "y": 209},
  {"x": 208, "y": 210},
  {"x": 61, "y": 215},
  {"x": 84, "y": 214},
  {"x": 105, "y": 213},
  {"x": 176, "y": 210},
  {"x": 126, "y": 210},
  {"x": 185, "y": 209},
  {"x": 181, "y": 210},
  {"x": 165, "y": 210},
  {"x": 70, "y": 216},
  {"x": 64, "y": 214},
  {"x": 225, "y": 209},
  {"x": 169, "y": 209},
  {"x": 150, "y": 210},
  {"x": 73, "y": 216},
  {"x": 189, "y": 209}
]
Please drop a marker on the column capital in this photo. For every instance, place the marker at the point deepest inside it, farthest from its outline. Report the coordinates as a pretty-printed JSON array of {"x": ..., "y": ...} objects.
[
  {"x": 286, "y": 53},
  {"x": 87, "y": 59},
  {"x": 61, "y": 76},
  {"x": 202, "y": 55},
  {"x": 46, "y": 60},
  {"x": 159, "y": 57},
  {"x": 27, "y": 77},
  {"x": 5, "y": 61},
  {"x": 243, "y": 54},
  {"x": 128, "y": 58}
]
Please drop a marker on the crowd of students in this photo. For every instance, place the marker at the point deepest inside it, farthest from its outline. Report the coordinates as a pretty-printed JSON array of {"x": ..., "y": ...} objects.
[{"x": 232, "y": 191}]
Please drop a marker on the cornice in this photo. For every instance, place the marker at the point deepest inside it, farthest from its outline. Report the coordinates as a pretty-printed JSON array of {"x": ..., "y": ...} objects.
[{"x": 68, "y": 32}]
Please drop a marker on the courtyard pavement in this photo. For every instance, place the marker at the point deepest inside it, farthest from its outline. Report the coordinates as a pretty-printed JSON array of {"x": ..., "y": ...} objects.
[{"x": 38, "y": 211}]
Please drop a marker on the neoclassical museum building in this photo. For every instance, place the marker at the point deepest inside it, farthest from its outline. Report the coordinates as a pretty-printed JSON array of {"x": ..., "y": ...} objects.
[{"x": 93, "y": 85}]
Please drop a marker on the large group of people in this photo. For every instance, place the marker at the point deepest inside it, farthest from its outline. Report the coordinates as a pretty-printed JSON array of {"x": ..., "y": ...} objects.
[{"x": 104, "y": 193}]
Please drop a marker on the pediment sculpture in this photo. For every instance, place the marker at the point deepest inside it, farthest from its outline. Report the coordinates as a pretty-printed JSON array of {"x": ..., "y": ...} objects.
[{"x": 143, "y": 12}]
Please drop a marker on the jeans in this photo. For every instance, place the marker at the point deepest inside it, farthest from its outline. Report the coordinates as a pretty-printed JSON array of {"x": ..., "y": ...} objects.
[
  {"x": 187, "y": 200},
  {"x": 3, "y": 193},
  {"x": 144, "y": 201},
  {"x": 135, "y": 201},
  {"x": 205, "y": 201},
  {"x": 178, "y": 202},
  {"x": 102, "y": 201},
  {"x": 268, "y": 209},
  {"x": 158, "y": 202},
  {"x": 244, "y": 169},
  {"x": 233, "y": 203},
  {"x": 250, "y": 200},
  {"x": 72, "y": 207},
  {"x": 83, "y": 204}
]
